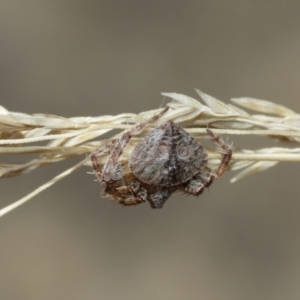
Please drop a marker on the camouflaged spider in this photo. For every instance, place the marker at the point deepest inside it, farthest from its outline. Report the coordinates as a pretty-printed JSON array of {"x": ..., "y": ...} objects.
[{"x": 168, "y": 159}]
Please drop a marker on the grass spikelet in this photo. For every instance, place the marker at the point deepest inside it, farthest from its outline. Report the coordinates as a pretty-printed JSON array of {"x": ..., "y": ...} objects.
[{"x": 69, "y": 137}]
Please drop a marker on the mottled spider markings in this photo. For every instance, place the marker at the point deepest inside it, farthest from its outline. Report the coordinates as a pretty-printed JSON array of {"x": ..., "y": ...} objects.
[{"x": 167, "y": 160}]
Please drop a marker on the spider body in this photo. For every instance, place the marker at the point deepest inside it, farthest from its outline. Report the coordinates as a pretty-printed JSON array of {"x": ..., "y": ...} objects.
[
  {"x": 168, "y": 159},
  {"x": 168, "y": 156}
]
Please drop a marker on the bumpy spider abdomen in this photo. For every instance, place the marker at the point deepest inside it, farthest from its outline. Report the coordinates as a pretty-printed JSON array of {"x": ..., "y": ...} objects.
[{"x": 168, "y": 156}]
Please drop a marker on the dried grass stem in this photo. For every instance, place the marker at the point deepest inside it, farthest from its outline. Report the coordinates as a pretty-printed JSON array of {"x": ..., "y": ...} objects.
[{"x": 69, "y": 137}]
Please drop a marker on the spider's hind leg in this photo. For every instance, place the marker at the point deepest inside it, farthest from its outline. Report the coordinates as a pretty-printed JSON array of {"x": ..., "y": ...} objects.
[
  {"x": 225, "y": 149},
  {"x": 204, "y": 179}
]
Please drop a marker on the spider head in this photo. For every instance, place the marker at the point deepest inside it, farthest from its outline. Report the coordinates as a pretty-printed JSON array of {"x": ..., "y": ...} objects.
[{"x": 158, "y": 198}]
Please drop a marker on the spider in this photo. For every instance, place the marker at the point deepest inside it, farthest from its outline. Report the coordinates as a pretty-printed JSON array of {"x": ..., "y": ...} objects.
[{"x": 168, "y": 159}]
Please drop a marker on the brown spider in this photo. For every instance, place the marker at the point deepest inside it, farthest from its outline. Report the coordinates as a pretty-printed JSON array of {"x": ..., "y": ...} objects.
[{"x": 166, "y": 160}]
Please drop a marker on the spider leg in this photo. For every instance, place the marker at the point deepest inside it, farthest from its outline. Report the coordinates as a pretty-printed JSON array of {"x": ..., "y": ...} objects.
[
  {"x": 94, "y": 159},
  {"x": 197, "y": 185},
  {"x": 203, "y": 180},
  {"x": 224, "y": 149},
  {"x": 128, "y": 195},
  {"x": 111, "y": 169}
]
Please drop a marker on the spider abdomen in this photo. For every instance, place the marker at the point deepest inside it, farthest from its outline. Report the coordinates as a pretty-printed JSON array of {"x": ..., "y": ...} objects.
[{"x": 167, "y": 156}]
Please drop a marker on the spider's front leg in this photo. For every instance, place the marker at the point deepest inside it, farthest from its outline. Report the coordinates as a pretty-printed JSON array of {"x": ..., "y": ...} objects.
[
  {"x": 125, "y": 193},
  {"x": 196, "y": 185},
  {"x": 112, "y": 169}
]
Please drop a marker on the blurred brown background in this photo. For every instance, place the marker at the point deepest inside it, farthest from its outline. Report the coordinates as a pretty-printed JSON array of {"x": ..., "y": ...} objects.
[{"x": 80, "y": 58}]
